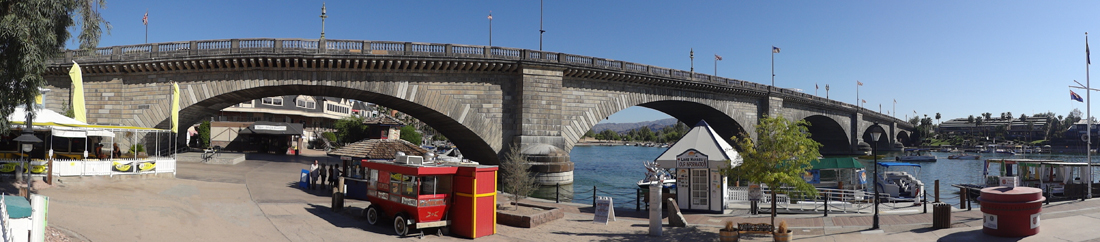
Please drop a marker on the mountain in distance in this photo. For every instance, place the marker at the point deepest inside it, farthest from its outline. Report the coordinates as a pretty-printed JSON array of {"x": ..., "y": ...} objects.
[{"x": 624, "y": 127}]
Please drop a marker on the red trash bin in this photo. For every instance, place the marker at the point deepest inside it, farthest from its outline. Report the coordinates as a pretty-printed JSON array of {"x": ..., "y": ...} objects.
[{"x": 1011, "y": 212}]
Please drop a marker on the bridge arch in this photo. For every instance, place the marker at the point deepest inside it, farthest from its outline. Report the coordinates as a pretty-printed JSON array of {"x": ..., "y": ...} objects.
[
  {"x": 884, "y": 143},
  {"x": 688, "y": 111},
  {"x": 830, "y": 133}
]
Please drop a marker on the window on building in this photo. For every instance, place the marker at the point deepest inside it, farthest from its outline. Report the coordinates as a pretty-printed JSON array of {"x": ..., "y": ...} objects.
[
  {"x": 306, "y": 102},
  {"x": 273, "y": 101},
  {"x": 247, "y": 104}
]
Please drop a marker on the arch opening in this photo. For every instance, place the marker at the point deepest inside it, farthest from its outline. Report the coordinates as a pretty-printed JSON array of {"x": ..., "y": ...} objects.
[{"x": 830, "y": 134}]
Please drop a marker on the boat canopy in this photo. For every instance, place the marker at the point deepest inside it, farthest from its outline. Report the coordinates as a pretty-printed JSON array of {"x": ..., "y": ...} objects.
[
  {"x": 836, "y": 163},
  {"x": 889, "y": 164}
]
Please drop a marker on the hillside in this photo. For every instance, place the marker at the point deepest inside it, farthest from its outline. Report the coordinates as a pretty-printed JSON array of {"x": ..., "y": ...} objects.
[{"x": 623, "y": 127}]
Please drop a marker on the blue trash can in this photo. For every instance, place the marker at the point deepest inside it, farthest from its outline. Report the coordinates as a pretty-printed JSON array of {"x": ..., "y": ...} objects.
[{"x": 304, "y": 181}]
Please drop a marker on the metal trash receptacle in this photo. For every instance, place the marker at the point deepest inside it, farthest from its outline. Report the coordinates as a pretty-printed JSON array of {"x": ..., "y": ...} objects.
[{"x": 941, "y": 215}]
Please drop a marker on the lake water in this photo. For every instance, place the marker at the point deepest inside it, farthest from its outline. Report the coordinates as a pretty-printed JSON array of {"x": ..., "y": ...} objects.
[{"x": 615, "y": 170}]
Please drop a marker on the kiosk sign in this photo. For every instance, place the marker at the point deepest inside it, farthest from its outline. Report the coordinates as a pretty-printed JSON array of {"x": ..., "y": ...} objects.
[{"x": 691, "y": 159}]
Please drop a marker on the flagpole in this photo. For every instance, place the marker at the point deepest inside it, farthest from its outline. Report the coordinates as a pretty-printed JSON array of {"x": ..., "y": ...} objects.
[
  {"x": 857, "y": 93},
  {"x": 715, "y": 66},
  {"x": 146, "y": 26},
  {"x": 1088, "y": 116}
]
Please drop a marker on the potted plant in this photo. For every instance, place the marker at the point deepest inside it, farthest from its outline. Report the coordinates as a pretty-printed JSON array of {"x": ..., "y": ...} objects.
[
  {"x": 729, "y": 233},
  {"x": 782, "y": 234}
]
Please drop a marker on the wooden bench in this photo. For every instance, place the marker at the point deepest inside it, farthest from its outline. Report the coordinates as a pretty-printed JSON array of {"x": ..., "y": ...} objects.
[{"x": 751, "y": 228}]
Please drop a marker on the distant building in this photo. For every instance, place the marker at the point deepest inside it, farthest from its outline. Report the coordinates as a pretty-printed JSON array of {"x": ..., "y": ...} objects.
[
  {"x": 315, "y": 114},
  {"x": 1014, "y": 128}
]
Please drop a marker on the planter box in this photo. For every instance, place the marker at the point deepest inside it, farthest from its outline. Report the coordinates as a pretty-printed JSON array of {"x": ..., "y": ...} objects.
[{"x": 529, "y": 221}]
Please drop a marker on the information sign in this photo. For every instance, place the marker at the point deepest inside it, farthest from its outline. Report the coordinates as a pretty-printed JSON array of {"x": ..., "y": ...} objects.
[{"x": 604, "y": 210}]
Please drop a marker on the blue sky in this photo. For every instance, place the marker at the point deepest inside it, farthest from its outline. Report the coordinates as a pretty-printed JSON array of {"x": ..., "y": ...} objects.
[{"x": 957, "y": 58}]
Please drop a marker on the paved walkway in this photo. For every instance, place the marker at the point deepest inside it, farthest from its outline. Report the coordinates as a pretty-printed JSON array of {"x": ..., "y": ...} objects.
[{"x": 258, "y": 200}]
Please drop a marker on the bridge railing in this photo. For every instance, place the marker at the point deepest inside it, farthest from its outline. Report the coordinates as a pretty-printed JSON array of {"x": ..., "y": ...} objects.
[{"x": 207, "y": 48}]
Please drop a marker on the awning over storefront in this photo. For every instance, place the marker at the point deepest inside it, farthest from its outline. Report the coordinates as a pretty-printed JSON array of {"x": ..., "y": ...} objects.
[{"x": 273, "y": 128}]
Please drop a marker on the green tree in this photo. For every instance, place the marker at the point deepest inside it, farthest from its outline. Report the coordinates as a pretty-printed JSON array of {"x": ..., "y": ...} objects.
[
  {"x": 590, "y": 134},
  {"x": 31, "y": 33},
  {"x": 780, "y": 156},
  {"x": 350, "y": 129},
  {"x": 204, "y": 134},
  {"x": 937, "y": 117},
  {"x": 516, "y": 177},
  {"x": 408, "y": 133}
]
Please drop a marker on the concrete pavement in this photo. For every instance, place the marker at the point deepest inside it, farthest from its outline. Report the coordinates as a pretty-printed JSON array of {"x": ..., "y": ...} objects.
[{"x": 258, "y": 200}]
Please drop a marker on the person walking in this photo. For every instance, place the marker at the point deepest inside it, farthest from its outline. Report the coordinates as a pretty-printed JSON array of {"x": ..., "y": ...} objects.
[
  {"x": 333, "y": 175},
  {"x": 313, "y": 173},
  {"x": 324, "y": 177}
]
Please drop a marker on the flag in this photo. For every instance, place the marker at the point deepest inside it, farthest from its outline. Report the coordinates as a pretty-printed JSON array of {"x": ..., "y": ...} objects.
[
  {"x": 859, "y": 83},
  {"x": 1074, "y": 96},
  {"x": 490, "y": 15},
  {"x": 145, "y": 19},
  {"x": 864, "y": 100},
  {"x": 717, "y": 57},
  {"x": 79, "y": 113},
  {"x": 816, "y": 87},
  {"x": 175, "y": 107},
  {"x": 1088, "y": 61},
  {"x": 895, "y": 101},
  {"x": 775, "y": 49}
]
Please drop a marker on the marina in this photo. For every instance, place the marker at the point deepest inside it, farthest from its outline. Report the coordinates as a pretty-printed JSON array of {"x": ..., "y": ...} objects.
[{"x": 615, "y": 170}]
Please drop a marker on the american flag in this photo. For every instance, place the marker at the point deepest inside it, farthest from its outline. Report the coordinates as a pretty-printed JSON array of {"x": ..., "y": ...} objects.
[
  {"x": 717, "y": 57},
  {"x": 859, "y": 83},
  {"x": 490, "y": 15},
  {"x": 864, "y": 100},
  {"x": 145, "y": 19}
]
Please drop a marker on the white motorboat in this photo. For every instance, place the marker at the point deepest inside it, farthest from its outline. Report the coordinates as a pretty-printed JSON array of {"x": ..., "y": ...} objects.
[
  {"x": 965, "y": 156},
  {"x": 900, "y": 185},
  {"x": 916, "y": 155},
  {"x": 656, "y": 175}
]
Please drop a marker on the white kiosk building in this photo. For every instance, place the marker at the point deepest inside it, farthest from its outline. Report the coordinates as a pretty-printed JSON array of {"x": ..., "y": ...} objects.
[{"x": 698, "y": 159}]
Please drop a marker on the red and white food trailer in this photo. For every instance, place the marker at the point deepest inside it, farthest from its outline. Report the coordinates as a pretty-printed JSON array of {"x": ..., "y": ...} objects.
[{"x": 458, "y": 196}]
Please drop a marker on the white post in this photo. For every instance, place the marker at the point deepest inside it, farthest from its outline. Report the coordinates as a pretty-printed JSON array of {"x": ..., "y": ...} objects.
[{"x": 655, "y": 209}]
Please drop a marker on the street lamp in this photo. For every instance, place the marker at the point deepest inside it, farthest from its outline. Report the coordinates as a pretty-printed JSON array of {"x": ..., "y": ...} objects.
[
  {"x": 27, "y": 141},
  {"x": 875, "y": 134}
]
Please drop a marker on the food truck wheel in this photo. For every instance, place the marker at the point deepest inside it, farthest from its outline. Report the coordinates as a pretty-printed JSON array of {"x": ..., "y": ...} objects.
[
  {"x": 372, "y": 215},
  {"x": 400, "y": 224}
]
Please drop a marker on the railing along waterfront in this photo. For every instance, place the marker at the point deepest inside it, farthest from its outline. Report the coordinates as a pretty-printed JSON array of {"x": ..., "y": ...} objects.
[{"x": 230, "y": 47}]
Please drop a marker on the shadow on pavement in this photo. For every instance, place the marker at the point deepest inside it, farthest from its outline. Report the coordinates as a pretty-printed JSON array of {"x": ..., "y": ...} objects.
[
  {"x": 975, "y": 235},
  {"x": 348, "y": 218},
  {"x": 669, "y": 234}
]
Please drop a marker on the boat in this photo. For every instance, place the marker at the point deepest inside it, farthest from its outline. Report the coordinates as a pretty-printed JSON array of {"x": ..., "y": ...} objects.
[
  {"x": 915, "y": 155},
  {"x": 656, "y": 175},
  {"x": 1059, "y": 180},
  {"x": 898, "y": 185},
  {"x": 964, "y": 156},
  {"x": 836, "y": 173}
]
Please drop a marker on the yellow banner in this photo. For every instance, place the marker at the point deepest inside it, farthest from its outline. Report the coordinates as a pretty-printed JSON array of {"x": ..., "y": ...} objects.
[
  {"x": 175, "y": 107},
  {"x": 79, "y": 113}
]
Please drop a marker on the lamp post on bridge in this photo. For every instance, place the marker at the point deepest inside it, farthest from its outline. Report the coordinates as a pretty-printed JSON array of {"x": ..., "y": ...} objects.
[
  {"x": 323, "y": 17},
  {"x": 875, "y": 133}
]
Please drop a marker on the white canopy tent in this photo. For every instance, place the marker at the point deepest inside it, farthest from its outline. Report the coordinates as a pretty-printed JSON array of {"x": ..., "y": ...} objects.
[
  {"x": 698, "y": 158},
  {"x": 58, "y": 125}
]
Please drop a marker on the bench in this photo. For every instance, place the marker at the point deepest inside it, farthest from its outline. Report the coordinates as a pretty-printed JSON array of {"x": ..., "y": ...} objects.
[{"x": 751, "y": 228}]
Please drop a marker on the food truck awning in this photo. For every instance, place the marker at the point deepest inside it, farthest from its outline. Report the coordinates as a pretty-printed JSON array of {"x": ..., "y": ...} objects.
[
  {"x": 273, "y": 128},
  {"x": 836, "y": 163},
  {"x": 702, "y": 139}
]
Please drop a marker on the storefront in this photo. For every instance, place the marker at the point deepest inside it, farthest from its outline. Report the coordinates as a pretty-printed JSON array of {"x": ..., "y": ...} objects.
[{"x": 698, "y": 159}]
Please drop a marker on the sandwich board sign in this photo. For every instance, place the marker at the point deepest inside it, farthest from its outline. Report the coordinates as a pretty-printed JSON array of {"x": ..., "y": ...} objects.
[{"x": 604, "y": 210}]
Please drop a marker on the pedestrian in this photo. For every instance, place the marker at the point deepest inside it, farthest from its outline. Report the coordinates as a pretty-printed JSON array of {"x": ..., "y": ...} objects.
[
  {"x": 324, "y": 176},
  {"x": 313, "y": 173},
  {"x": 334, "y": 174}
]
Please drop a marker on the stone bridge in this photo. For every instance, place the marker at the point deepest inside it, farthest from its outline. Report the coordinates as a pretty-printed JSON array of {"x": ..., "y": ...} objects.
[{"x": 485, "y": 99}]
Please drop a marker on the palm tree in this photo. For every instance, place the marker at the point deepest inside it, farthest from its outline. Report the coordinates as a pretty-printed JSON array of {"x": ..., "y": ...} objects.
[{"x": 938, "y": 117}]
